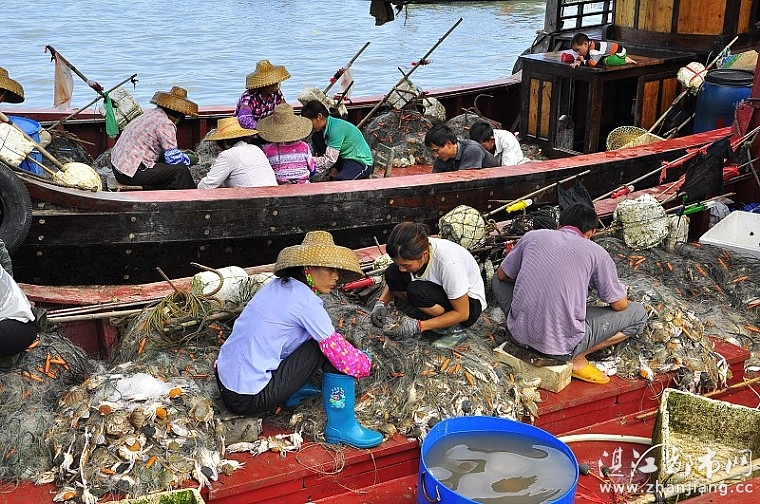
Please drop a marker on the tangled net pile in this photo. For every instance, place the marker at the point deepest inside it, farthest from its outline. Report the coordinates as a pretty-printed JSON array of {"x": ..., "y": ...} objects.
[
  {"x": 29, "y": 391},
  {"x": 696, "y": 291},
  {"x": 404, "y": 130}
]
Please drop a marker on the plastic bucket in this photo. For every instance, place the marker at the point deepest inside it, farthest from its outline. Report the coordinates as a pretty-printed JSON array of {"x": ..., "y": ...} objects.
[
  {"x": 31, "y": 128},
  {"x": 722, "y": 90},
  {"x": 430, "y": 489}
]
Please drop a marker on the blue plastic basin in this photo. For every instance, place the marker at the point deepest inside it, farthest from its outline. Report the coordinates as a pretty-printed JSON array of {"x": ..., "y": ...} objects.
[
  {"x": 429, "y": 489},
  {"x": 31, "y": 128}
]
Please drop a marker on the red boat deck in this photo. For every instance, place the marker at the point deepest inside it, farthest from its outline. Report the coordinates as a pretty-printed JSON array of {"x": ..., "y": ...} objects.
[{"x": 388, "y": 474}]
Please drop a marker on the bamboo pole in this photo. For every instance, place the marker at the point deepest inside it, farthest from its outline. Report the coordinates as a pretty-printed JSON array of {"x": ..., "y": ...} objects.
[
  {"x": 94, "y": 85},
  {"x": 93, "y": 102},
  {"x": 683, "y": 93},
  {"x": 538, "y": 191},
  {"x": 406, "y": 76},
  {"x": 91, "y": 316},
  {"x": 79, "y": 310},
  {"x": 342, "y": 70}
]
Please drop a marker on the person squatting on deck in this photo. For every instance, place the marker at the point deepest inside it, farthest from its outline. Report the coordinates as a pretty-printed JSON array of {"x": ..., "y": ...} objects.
[
  {"x": 594, "y": 52},
  {"x": 436, "y": 283},
  {"x": 348, "y": 155},
  {"x": 10, "y": 90},
  {"x": 240, "y": 164},
  {"x": 286, "y": 150},
  {"x": 542, "y": 287},
  {"x": 18, "y": 327},
  {"x": 146, "y": 153},
  {"x": 285, "y": 334},
  {"x": 262, "y": 93},
  {"x": 501, "y": 143},
  {"x": 453, "y": 154}
]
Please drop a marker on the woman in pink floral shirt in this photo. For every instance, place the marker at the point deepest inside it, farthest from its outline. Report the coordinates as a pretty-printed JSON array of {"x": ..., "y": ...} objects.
[{"x": 288, "y": 154}]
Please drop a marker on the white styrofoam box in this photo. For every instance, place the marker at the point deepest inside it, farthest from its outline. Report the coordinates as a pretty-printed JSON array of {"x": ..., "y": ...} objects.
[{"x": 740, "y": 232}]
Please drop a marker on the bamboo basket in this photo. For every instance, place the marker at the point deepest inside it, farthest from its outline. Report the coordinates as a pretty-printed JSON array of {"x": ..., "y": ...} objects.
[{"x": 630, "y": 136}]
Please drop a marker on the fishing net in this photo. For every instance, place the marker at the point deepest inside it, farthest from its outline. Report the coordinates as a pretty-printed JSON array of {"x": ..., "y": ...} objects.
[
  {"x": 30, "y": 388},
  {"x": 312, "y": 93},
  {"x": 643, "y": 220},
  {"x": 691, "y": 293},
  {"x": 460, "y": 124},
  {"x": 409, "y": 97},
  {"x": 464, "y": 225},
  {"x": 405, "y": 131}
]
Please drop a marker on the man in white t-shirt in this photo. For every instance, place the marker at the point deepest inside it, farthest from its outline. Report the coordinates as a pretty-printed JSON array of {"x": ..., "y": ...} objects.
[{"x": 501, "y": 143}]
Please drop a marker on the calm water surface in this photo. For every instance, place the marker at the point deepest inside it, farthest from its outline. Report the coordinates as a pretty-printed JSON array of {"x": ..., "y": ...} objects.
[{"x": 209, "y": 47}]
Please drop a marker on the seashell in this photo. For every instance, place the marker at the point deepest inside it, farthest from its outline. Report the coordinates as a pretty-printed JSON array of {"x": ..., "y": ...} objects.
[
  {"x": 73, "y": 396},
  {"x": 137, "y": 418},
  {"x": 117, "y": 423},
  {"x": 105, "y": 409}
]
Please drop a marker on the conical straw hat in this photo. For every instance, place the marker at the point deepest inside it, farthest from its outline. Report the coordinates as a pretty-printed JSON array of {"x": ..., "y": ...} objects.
[
  {"x": 319, "y": 249},
  {"x": 175, "y": 100},
  {"x": 228, "y": 128},
  {"x": 265, "y": 75},
  {"x": 14, "y": 92},
  {"x": 284, "y": 125}
]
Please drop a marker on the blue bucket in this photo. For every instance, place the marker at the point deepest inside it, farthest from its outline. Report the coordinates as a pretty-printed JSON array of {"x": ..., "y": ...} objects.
[
  {"x": 721, "y": 92},
  {"x": 31, "y": 128},
  {"x": 430, "y": 489}
]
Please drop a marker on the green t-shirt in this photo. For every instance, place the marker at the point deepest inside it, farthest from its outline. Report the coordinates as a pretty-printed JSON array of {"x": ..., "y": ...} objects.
[{"x": 348, "y": 139}]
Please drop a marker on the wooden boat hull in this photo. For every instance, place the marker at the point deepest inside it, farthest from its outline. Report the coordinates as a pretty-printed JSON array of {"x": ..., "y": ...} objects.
[{"x": 84, "y": 238}]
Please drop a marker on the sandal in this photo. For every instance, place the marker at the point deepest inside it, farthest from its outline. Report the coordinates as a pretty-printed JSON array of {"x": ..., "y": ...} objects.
[{"x": 591, "y": 374}]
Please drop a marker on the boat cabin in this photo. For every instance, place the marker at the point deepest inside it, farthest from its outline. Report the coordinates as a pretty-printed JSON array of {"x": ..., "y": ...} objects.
[{"x": 574, "y": 109}]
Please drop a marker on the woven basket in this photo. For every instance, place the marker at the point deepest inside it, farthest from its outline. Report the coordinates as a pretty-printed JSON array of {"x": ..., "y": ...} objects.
[{"x": 630, "y": 136}]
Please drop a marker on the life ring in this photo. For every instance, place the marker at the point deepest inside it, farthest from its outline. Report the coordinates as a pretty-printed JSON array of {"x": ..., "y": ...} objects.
[{"x": 15, "y": 209}]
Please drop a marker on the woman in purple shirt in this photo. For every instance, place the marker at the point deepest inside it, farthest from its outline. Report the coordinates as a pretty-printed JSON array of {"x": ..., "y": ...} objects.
[{"x": 284, "y": 335}]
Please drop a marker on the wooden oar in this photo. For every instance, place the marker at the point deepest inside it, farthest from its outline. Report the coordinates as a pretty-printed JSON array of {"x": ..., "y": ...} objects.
[
  {"x": 342, "y": 70},
  {"x": 406, "y": 76},
  {"x": 132, "y": 78},
  {"x": 534, "y": 193}
]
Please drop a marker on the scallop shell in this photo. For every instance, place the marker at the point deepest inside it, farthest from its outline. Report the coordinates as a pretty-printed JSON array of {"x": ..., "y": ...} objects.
[
  {"x": 137, "y": 418},
  {"x": 73, "y": 396}
]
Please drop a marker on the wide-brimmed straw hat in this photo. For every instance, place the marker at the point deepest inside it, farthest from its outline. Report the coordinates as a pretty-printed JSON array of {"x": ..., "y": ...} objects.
[
  {"x": 265, "y": 75},
  {"x": 175, "y": 100},
  {"x": 14, "y": 92},
  {"x": 229, "y": 127},
  {"x": 284, "y": 125},
  {"x": 319, "y": 249}
]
